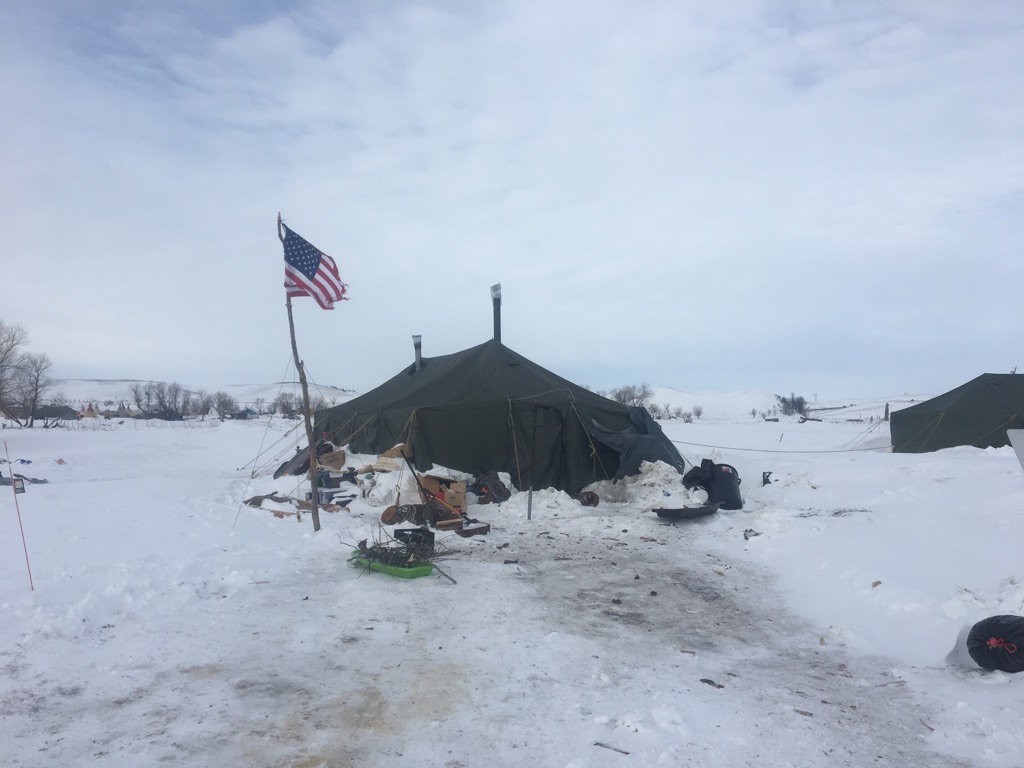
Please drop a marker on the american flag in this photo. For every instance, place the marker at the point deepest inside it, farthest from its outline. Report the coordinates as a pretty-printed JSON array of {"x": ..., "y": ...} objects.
[{"x": 309, "y": 271}]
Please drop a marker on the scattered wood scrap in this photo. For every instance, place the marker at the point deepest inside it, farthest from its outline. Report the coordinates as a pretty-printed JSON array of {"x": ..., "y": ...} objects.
[
  {"x": 396, "y": 558},
  {"x": 391, "y": 553},
  {"x": 4, "y": 480},
  {"x": 299, "y": 505},
  {"x": 609, "y": 746},
  {"x": 257, "y": 501}
]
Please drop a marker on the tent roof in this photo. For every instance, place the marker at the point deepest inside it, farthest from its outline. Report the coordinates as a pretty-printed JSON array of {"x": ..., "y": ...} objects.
[
  {"x": 987, "y": 393},
  {"x": 487, "y": 372},
  {"x": 976, "y": 413},
  {"x": 488, "y": 408}
]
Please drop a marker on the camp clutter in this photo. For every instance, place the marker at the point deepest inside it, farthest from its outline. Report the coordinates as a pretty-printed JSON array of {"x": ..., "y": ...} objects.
[
  {"x": 442, "y": 502},
  {"x": 437, "y": 500},
  {"x": 451, "y": 492},
  {"x": 443, "y": 499},
  {"x": 410, "y": 552},
  {"x": 299, "y": 463},
  {"x": 333, "y": 480}
]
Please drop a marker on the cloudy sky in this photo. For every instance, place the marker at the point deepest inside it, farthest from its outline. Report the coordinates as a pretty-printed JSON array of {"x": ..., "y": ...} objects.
[{"x": 819, "y": 197}]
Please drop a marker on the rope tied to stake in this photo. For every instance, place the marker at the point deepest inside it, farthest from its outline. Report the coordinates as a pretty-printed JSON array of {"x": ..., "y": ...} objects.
[{"x": 998, "y": 642}]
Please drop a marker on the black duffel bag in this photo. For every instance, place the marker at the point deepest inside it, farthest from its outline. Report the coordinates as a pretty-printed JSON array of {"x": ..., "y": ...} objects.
[
  {"x": 721, "y": 481},
  {"x": 489, "y": 489},
  {"x": 998, "y": 643}
]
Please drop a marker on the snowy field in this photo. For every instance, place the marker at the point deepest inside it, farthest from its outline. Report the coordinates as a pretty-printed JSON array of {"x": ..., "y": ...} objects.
[{"x": 171, "y": 624}]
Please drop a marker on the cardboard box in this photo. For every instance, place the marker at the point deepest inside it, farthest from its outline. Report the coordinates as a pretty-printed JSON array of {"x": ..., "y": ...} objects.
[
  {"x": 398, "y": 451},
  {"x": 453, "y": 492},
  {"x": 332, "y": 460}
]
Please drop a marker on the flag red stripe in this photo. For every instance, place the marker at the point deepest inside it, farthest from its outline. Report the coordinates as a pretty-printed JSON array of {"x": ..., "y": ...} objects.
[{"x": 325, "y": 288}]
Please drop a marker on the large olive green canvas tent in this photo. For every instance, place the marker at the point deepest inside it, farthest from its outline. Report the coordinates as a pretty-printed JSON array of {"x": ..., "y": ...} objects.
[
  {"x": 488, "y": 408},
  {"x": 977, "y": 413}
]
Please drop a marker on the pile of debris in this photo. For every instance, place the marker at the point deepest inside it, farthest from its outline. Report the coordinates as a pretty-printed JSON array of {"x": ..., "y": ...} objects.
[
  {"x": 439, "y": 502},
  {"x": 442, "y": 501},
  {"x": 409, "y": 555}
]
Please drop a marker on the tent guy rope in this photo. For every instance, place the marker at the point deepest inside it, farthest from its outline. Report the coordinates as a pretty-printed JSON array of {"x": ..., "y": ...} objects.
[{"x": 14, "y": 490}]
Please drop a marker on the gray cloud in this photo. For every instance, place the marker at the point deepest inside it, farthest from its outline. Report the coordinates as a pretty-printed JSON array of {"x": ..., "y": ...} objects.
[{"x": 713, "y": 196}]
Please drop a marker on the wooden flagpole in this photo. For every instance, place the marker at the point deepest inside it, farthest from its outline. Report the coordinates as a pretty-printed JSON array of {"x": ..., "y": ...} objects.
[{"x": 305, "y": 405}]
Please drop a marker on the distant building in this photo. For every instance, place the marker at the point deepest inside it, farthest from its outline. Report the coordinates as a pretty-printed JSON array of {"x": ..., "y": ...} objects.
[{"x": 51, "y": 414}]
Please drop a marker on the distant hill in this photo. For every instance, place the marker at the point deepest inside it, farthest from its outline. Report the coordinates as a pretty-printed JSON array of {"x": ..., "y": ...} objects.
[{"x": 731, "y": 406}]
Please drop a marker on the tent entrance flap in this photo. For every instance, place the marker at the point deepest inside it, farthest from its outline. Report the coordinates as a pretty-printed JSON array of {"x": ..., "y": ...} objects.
[
  {"x": 537, "y": 442},
  {"x": 642, "y": 441},
  {"x": 468, "y": 439}
]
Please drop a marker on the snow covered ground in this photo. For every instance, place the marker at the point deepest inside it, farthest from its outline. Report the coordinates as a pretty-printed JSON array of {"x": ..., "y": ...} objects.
[{"x": 170, "y": 623}]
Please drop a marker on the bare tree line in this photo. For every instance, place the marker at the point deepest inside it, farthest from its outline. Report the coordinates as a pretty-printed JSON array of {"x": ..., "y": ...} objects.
[
  {"x": 642, "y": 396},
  {"x": 24, "y": 376},
  {"x": 24, "y": 379},
  {"x": 173, "y": 401}
]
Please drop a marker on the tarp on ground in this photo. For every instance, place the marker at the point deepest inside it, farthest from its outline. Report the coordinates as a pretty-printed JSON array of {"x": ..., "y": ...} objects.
[
  {"x": 489, "y": 409},
  {"x": 977, "y": 413}
]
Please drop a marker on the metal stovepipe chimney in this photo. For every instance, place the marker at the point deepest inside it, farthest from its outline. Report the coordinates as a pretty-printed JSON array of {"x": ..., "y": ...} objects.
[
  {"x": 496, "y": 300},
  {"x": 417, "y": 345}
]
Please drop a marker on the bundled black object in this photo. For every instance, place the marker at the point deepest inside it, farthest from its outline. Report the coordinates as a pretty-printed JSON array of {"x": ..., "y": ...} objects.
[
  {"x": 419, "y": 541},
  {"x": 489, "y": 488},
  {"x": 299, "y": 463},
  {"x": 721, "y": 481},
  {"x": 998, "y": 643}
]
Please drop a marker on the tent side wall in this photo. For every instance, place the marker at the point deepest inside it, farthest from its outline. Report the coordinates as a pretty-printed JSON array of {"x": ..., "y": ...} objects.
[
  {"x": 977, "y": 413},
  {"x": 538, "y": 445},
  {"x": 920, "y": 432}
]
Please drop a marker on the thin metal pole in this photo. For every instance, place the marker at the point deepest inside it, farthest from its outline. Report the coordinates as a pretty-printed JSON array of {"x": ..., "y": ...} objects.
[{"x": 24, "y": 546}]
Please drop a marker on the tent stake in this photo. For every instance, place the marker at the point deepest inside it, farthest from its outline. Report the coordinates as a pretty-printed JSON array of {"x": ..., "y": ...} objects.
[{"x": 529, "y": 504}]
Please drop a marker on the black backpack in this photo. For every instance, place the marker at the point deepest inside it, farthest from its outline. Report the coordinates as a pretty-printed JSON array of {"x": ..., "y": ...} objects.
[
  {"x": 721, "y": 481},
  {"x": 489, "y": 489}
]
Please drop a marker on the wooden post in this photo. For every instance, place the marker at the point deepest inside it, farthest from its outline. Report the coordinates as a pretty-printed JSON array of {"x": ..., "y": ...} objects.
[{"x": 305, "y": 407}]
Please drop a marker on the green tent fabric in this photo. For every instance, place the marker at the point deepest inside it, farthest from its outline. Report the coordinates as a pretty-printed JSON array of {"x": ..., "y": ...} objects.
[
  {"x": 977, "y": 413},
  {"x": 488, "y": 408}
]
